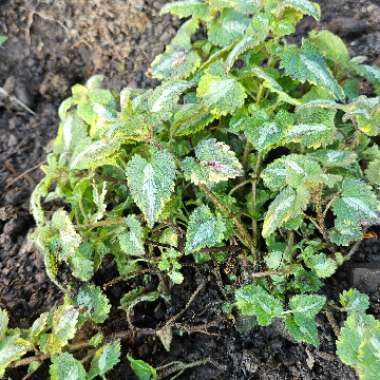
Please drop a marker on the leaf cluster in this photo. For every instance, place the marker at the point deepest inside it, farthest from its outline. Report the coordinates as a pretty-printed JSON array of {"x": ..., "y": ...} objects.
[{"x": 250, "y": 144}]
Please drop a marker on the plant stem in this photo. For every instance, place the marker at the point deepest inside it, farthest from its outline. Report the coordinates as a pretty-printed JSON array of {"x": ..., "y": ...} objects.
[
  {"x": 269, "y": 273},
  {"x": 255, "y": 230},
  {"x": 238, "y": 186},
  {"x": 244, "y": 235},
  {"x": 103, "y": 223},
  {"x": 247, "y": 151},
  {"x": 260, "y": 94}
]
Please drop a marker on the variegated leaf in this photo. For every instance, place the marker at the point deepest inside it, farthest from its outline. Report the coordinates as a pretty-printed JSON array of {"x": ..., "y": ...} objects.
[{"x": 151, "y": 182}]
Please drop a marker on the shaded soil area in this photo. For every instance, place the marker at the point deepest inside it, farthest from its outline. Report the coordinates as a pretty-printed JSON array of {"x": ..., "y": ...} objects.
[{"x": 54, "y": 44}]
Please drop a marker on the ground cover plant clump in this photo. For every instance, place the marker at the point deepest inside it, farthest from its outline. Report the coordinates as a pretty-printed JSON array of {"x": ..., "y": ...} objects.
[{"x": 251, "y": 147}]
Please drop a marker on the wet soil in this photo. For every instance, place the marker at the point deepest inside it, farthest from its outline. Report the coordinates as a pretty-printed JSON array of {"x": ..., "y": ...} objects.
[{"x": 54, "y": 44}]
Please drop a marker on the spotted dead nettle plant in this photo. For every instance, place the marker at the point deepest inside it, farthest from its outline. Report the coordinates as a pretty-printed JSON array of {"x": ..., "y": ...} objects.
[{"x": 253, "y": 150}]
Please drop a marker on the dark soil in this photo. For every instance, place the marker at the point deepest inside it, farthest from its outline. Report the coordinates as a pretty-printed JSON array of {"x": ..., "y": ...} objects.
[{"x": 54, "y": 44}]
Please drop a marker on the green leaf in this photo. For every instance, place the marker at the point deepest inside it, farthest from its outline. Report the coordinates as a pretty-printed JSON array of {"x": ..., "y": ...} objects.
[
  {"x": 204, "y": 230},
  {"x": 65, "y": 367},
  {"x": 255, "y": 35},
  {"x": 372, "y": 173},
  {"x": 169, "y": 262},
  {"x": 265, "y": 133},
  {"x": 4, "y": 320},
  {"x": 186, "y": 8},
  {"x": 295, "y": 170},
  {"x": 287, "y": 205},
  {"x": 132, "y": 241},
  {"x": 357, "y": 203},
  {"x": 369, "y": 364},
  {"x": 82, "y": 264},
  {"x": 272, "y": 85},
  {"x": 355, "y": 330},
  {"x": 322, "y": 265},
  {"x": 227, "y": 28},
  {"x": 39, "y": 326},
  {"x": 69, "y": 239},
  {"x": 12, "y": 348},
  {"x": 354, "y": 301},
  {"x": 64, "y": 323},
  {"x": 330, "y": 158},
  {"x": 371, "y": 73},
  {"x": 178, "y": 61},
  {"x": 304, "y": 6},
  {"x": 142, "y": 370},
  {"x": 306, "y": 64},
  {"x": 105, "y": 359},
  {"x": 94, "y": 301},
  {"x": 303, "y": 330},
  {"x": 165, "y": 97},
  {"x": 175, "y": 64},
  {"x": 151, "y": 182},
  {"x": 255, "y": 300},
  {"x": 97, "y": 154},
  {"x": 265, "y": 136},
  {"x": 190, "y": 119},
  {"x": 221, "y": 95},
  {"x": 215, "y": 162},
  {"x": 311, "y": 135},
  {"x": 330, "y": 46},
  {"x": 345, "y": 232},
  {"x": 306, "y": 306},
  {"x": 365, "y": 112}
]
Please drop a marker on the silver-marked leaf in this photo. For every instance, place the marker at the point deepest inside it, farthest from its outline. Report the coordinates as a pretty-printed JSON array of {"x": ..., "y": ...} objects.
[
  {"x": 330, "y": 46},
  {"x": 94, "y": 301},
  {"x": 227, "y": 28},
  {"x": 306, "y": 305},
  {"x": 186, "y": 8},
  {"x": 335, "y": 158},
  {"x": 179, "y": 60},
  {"x": 204, "y": 230},
  {"x": 255, "y": 300},
  {"x": 322, "y": 265},
  {"x": 190, "y": 119},
  {"x": 132, "y": 241},
  {"x": 264, "y": 136},
  {"x": 303, "y": 331},
  {"x": 272, "y": 85},
  {"x": 355, "y": 330},
  {"x": 12, "y": 348},
  {"x": 151, "y": 182},
  {"x": 311, "y": 135},
  {"x": 221, "y": 95},
  {"x": 105, "y": 359},
  {"x": 306, "y": 64},
  {"x": 304, "y": 6},
  {"x": 288, "y": 205},
  {"x": 64, "y": 323},
  {"x": 165, "y": 97},
  {"x": 99, "y": 197},
  {"x": 175, "y": 64},
  {"x": 256, "y": 34},
  {"x": 69, "y": 240},
  {"x": 354, "y": 301},
  {"x": 65, "y": 367},
  {"x": 215, "y": 162},
  {"x": 97, "y": 154},
  {"x": 357, "y": 203}
]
